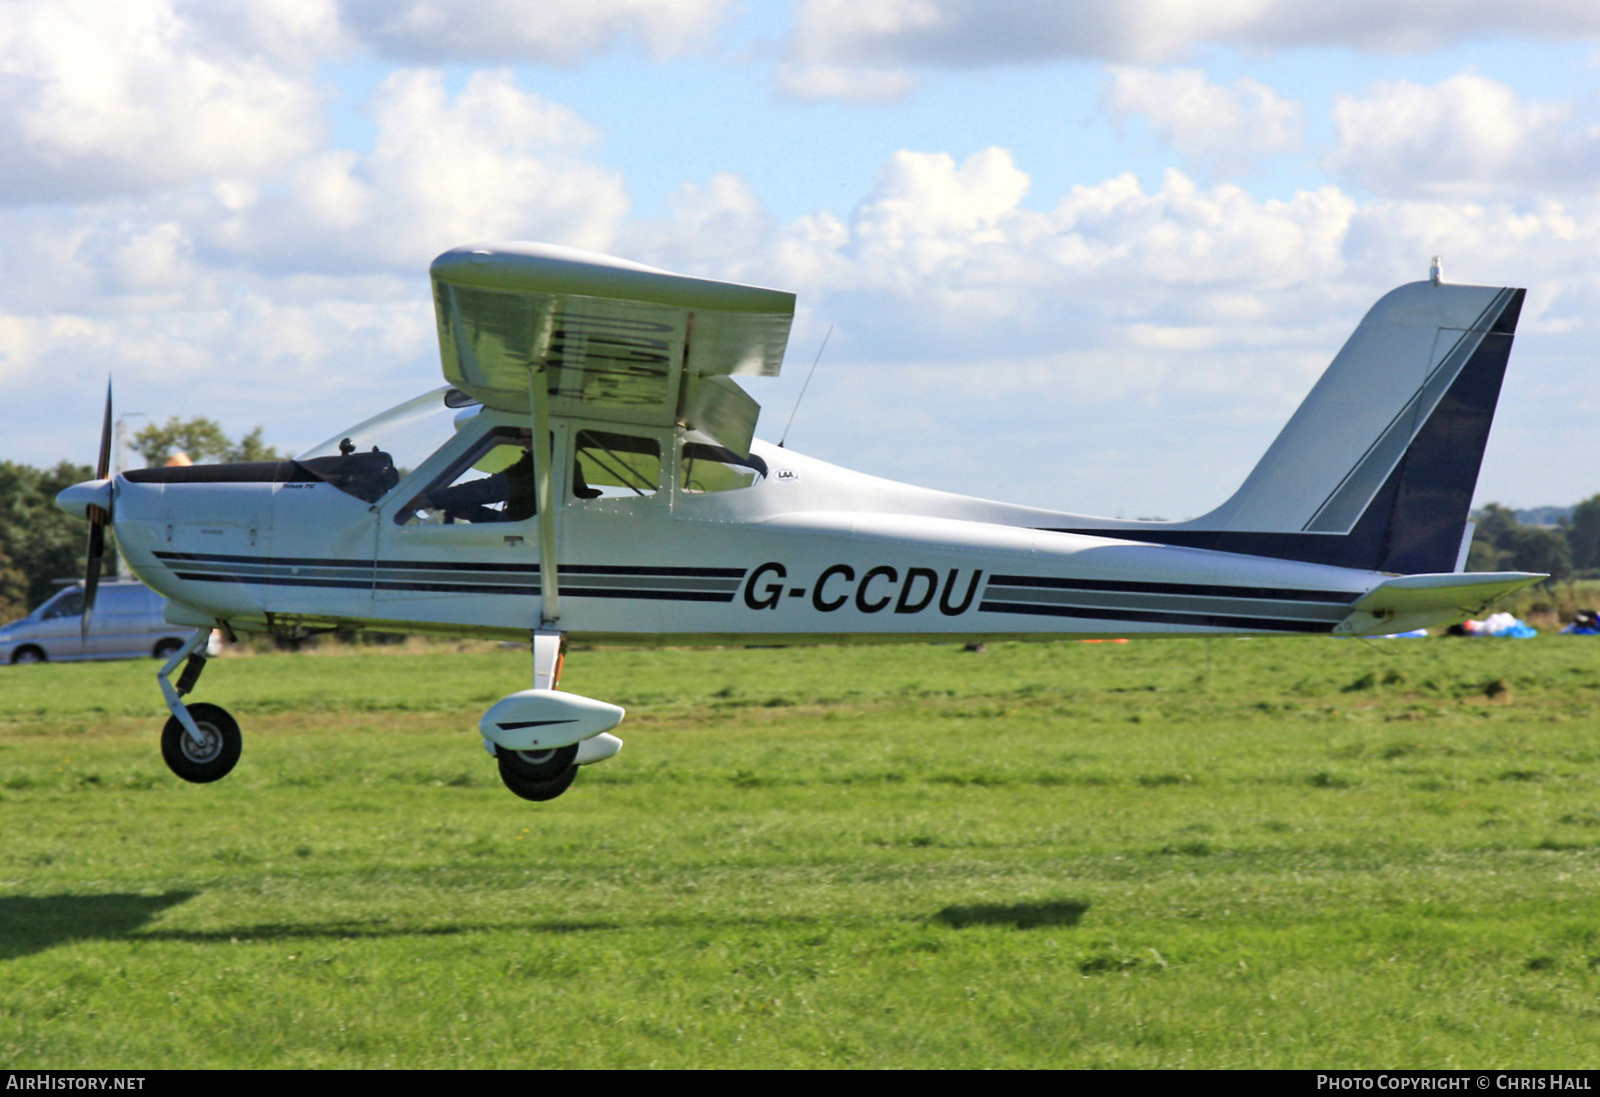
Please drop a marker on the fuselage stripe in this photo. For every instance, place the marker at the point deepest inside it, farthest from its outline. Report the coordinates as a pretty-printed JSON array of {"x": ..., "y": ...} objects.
[
  {"x": 529, "y": 589},
  {"x": 1338, "y": 597},
  {"x": 1266, "y": 608},
  {"x": 1160, "y": 617},
  {"x": 597, "y": 571}
]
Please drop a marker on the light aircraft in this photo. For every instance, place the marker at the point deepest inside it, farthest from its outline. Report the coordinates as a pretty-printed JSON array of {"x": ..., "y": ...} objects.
[{"x": 589, "y": 472}]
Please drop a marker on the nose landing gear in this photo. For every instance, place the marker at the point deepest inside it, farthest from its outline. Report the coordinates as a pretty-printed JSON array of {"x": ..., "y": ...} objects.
[
  {"x": 200, "y": 742},
  {"x": 213, "y": 756}
]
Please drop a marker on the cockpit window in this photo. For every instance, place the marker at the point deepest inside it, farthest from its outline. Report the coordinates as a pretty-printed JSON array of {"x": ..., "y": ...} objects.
[
  {"x": 610, "y": 466},
  {"x": 707, "y": 468},
  {"x": 491, "y": 482},
  {"x": 371, "y": 457}
]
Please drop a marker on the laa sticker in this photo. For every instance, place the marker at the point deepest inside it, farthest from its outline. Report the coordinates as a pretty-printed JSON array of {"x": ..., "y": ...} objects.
[{"x": 786, "y": 476}]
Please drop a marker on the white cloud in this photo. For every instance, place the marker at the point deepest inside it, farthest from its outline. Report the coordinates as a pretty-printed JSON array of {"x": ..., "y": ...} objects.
[
  {"x": 1228, "y": 129},
  {"x": 1129, "y": 350},
  {"x": 888, "y": 40},
  {"x": 294, "y": 34},
  {"x": 1466, "y": 136},
  {"x": 101, "y": 99},
  {"x": 296, "y": 298},
  {"x": 941, "y": 259},
  {"x": 921, "y": 196},
  {"x": 511, "y": 30},
  {"x": 852, "y": 84},
  {"x": 494, "y": 162},
  {"x": 1028, "y": 343},
  {"x": 713, "y": 230}
]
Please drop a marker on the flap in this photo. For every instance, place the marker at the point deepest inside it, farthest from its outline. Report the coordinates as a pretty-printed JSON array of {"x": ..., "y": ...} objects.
[{"x": 721, "y": 410}]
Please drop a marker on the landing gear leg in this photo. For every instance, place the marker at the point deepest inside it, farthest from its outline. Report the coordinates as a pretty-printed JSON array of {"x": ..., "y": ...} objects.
[
  {"x": 200, "y": 743},
  {"x": 549, "y": 656}
]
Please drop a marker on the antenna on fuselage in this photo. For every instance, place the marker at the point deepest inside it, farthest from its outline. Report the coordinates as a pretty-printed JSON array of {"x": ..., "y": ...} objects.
[{"x": 805, "y": 386}]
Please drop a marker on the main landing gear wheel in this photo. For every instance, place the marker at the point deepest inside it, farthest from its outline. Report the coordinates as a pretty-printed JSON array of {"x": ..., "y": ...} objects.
[
  {"x": 538, "y": 774},
  {"x": 212, "y": 760}
]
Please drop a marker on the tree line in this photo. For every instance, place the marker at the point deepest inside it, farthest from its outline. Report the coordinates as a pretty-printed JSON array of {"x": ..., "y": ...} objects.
[
  {"x": 1568, "y": 550},
  {"x": 40, "y": 545}
]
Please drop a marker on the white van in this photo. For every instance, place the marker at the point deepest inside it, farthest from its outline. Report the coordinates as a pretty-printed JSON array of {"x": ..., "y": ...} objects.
[{"x": 127, "y": 624}]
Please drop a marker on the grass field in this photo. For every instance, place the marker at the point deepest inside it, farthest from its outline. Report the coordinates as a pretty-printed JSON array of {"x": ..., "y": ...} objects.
[{"x": 1295, "y": 853}]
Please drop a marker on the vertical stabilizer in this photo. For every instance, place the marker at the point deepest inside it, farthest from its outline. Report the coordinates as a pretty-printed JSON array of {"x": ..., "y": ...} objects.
[{"x": 1376, "y": 469}]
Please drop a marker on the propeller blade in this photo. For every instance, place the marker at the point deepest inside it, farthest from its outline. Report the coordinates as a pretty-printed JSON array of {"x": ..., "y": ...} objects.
[
  {"x": 91, "y": 580},
  {"x": 98, "y": 518},
  {"x": 102, "y": 468}
]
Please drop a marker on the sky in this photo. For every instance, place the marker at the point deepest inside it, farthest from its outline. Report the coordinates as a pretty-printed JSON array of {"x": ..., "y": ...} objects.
[{"x": 1086, "y": 254}]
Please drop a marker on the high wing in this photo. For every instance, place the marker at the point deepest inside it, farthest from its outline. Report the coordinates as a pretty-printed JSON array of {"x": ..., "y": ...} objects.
[{"x": 615, "y": 341}]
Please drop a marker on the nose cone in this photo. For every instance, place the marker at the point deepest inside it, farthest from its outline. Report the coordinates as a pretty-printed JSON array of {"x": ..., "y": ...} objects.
[{"x": 77, "y": 499}]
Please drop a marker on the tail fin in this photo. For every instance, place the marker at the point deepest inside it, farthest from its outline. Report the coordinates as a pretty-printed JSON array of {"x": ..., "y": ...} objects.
[
  {"x": 1389, "y": 442},
  {"x": 1379, "y": 463},
  {"x": 1377, "y": 468}
]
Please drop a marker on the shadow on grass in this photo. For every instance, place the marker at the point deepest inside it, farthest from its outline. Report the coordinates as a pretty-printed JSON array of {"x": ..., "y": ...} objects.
[
  {"x": 1054, "y": 912},
  {"x": 359, "y": 931},
  {"x": 31, "y": 923}
]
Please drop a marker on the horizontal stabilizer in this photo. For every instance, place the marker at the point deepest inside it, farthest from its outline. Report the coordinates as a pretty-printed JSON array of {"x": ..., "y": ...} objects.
[{"x": 1430, "y": 601}]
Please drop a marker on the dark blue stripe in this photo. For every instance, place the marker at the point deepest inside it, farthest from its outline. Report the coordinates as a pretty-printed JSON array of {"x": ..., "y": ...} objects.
[
  {"x": 528, "y": 589},
  {"x": 653, "y": 573},
  {"x": 1160, "y": 617},
  {"x": 321, "y": 562},
  {"x": 654, "y": 595},
  {"x": 274, "y": 580},
  {"x": 1339, "y": 597},
  {"x": 664, "y": 572}
]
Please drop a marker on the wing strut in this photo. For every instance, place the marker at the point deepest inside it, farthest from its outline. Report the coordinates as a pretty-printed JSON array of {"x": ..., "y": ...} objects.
[{"x": 543, "y": 460}]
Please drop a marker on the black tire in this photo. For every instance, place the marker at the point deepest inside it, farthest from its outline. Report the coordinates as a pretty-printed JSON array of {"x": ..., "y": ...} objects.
[
  {"x": 538, "y": 775},
  {"x": 165, "y": 649},
  {"x": 537, "y": 765},
  {"x": 29, "y": 653},
  {"x": 212, "y": 762}
]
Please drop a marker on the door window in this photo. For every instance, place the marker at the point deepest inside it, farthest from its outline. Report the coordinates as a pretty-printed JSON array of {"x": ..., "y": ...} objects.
[
  {"x": 615, "y": 466},
  {"x": 491, "y": 482}
]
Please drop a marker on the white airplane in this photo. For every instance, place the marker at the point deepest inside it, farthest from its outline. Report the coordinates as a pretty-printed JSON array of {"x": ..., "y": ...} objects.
[{"x": 589, "y": 472}]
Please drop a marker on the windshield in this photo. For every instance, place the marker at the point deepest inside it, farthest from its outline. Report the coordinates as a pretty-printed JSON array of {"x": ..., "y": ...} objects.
[
  {"x": 371, "y": 457},
  {"x": 409, "y": 434}
]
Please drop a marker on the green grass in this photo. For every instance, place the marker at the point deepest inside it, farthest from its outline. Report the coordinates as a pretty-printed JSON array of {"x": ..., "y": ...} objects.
[{"x": 1289, "y": 853}]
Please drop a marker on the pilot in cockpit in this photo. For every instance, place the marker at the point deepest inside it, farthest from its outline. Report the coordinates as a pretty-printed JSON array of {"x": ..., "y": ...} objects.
[{"x": 478, "y": 501}]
